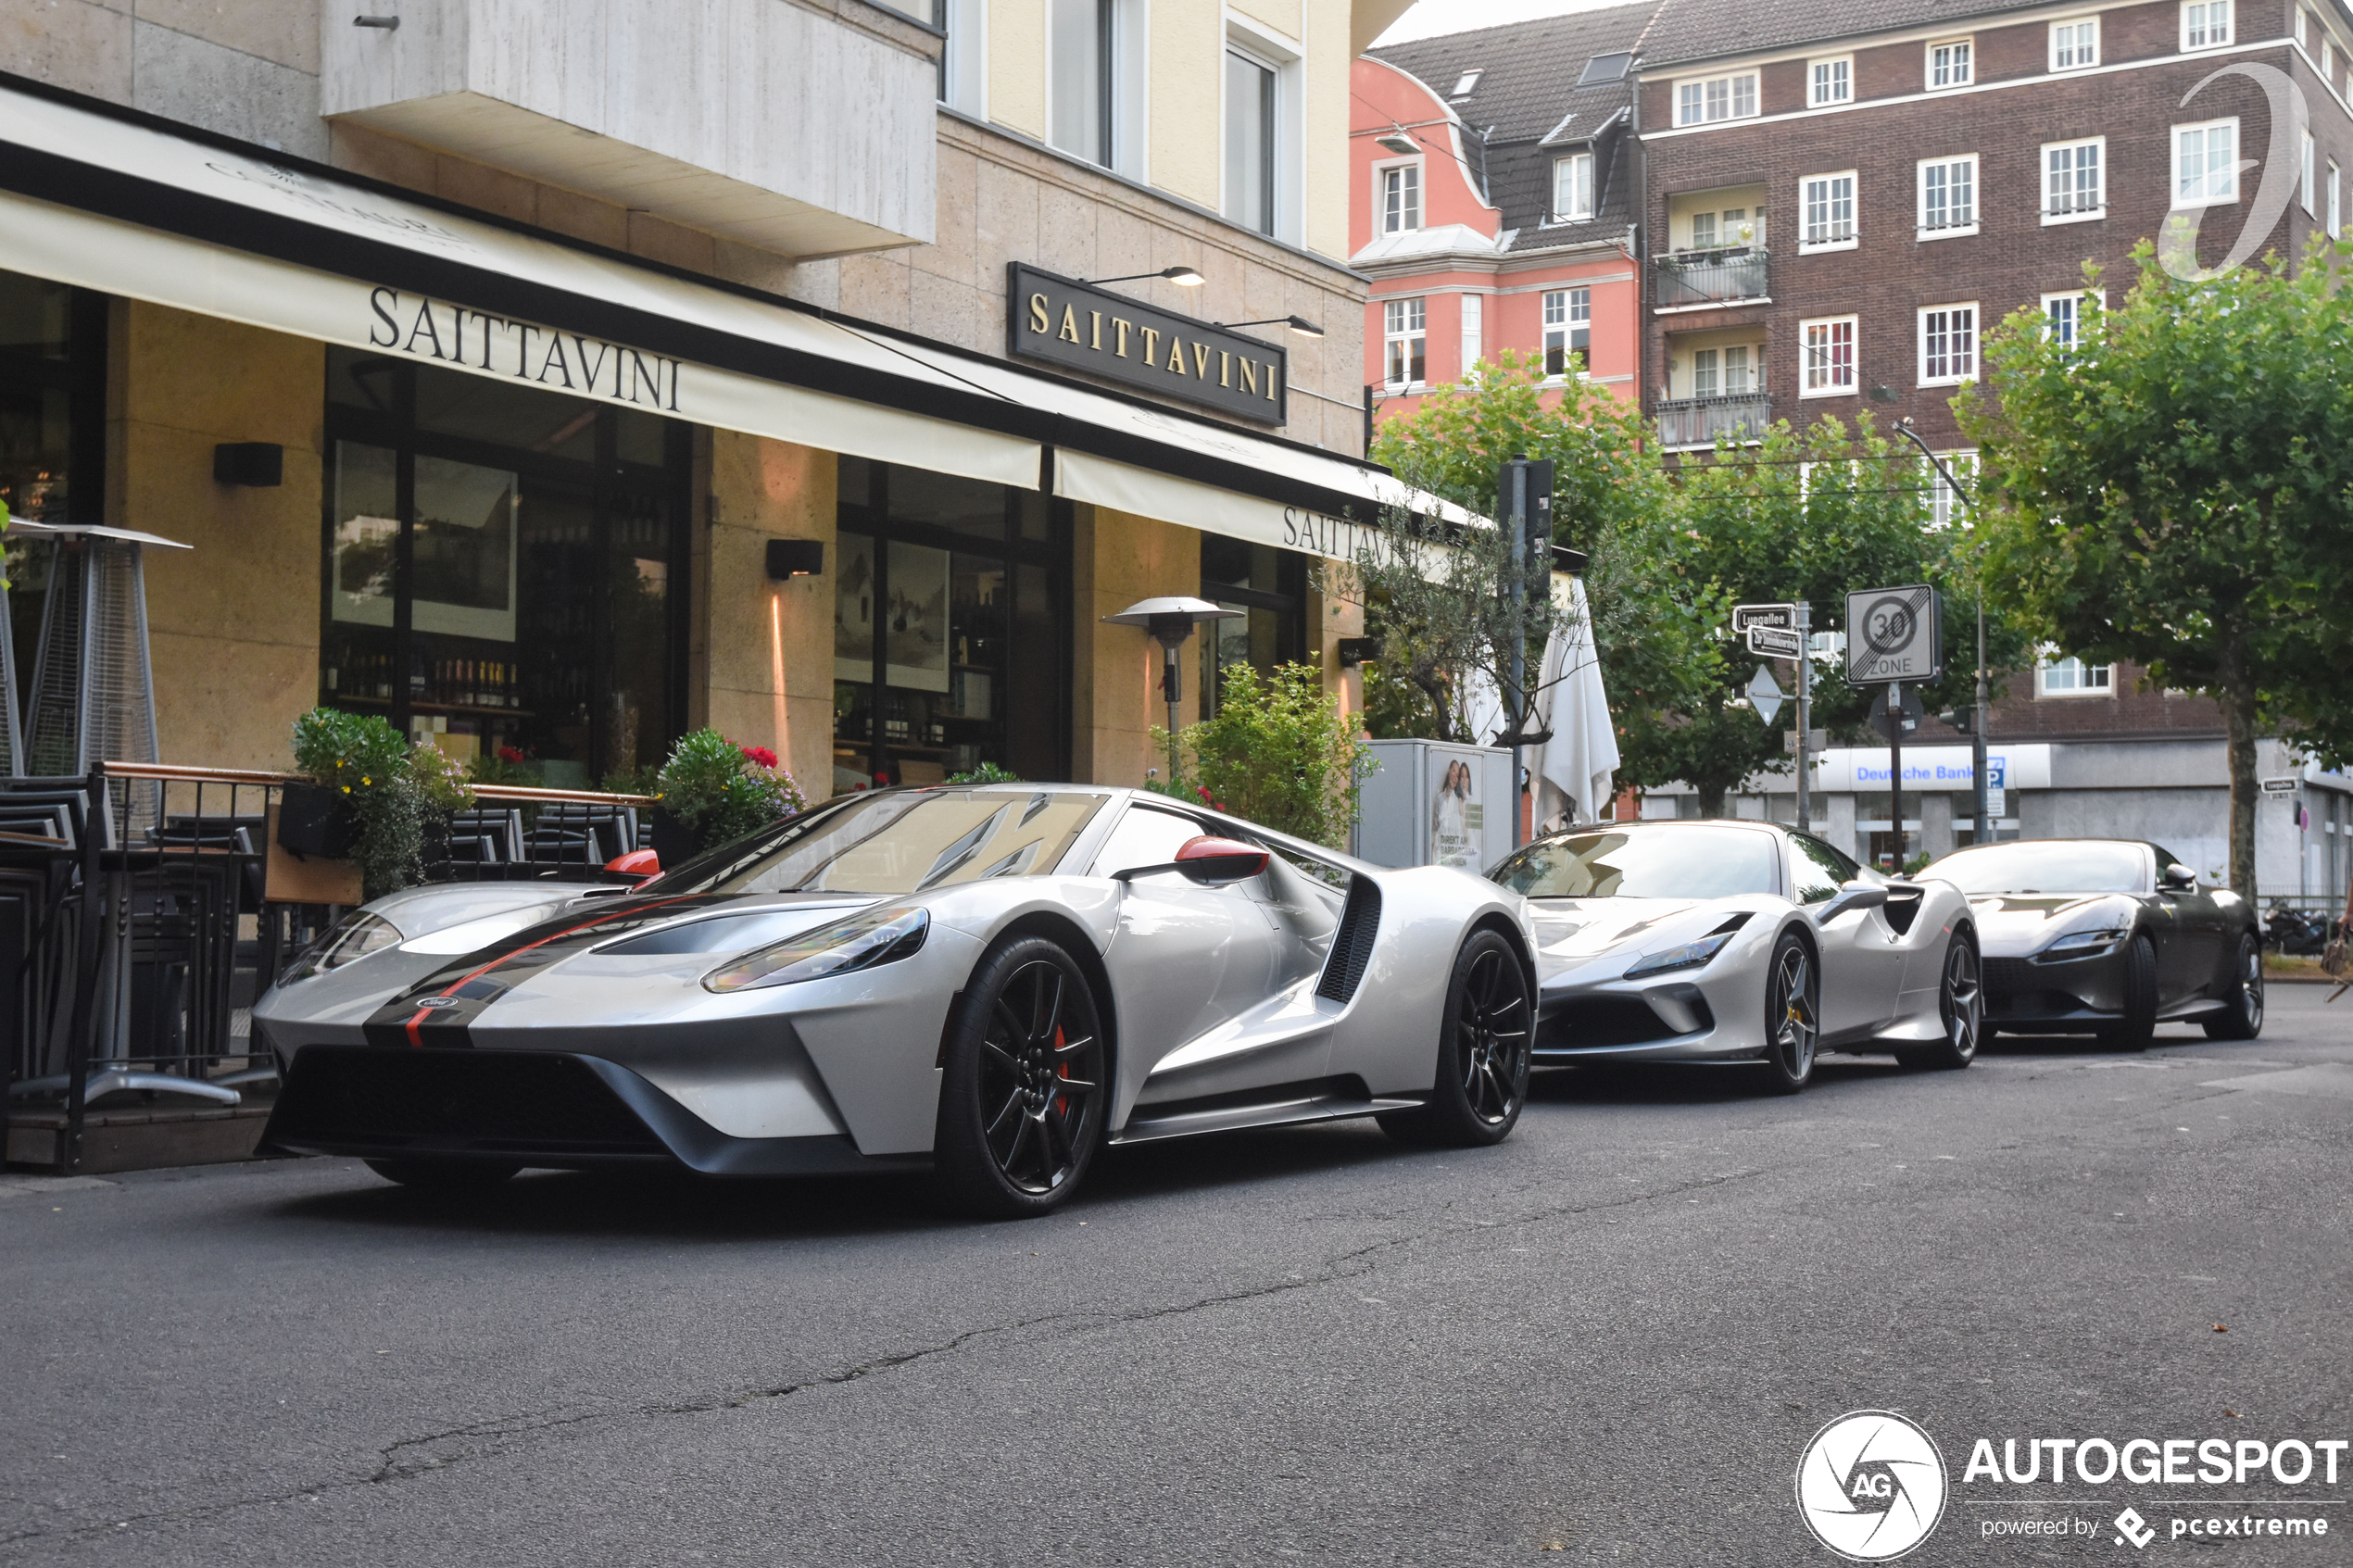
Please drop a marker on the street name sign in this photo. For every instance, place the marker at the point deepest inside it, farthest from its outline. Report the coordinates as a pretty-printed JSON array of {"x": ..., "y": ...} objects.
[
  {"x": 1747, "y": 616},
  {"x": 2279, "y": 786},
  {"x": 1776, "y": 642},
  {"x": 1894, "y": 634}
]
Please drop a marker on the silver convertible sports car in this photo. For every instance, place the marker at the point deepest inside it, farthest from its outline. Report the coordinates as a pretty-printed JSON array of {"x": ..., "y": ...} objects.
[
  {"x": 1726, "y": 942},
  {"x": 988, "y": 982}
]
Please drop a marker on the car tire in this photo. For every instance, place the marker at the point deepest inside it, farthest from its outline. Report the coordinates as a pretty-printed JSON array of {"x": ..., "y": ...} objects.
[
  {"x": 1025, "y": 1086},
  {"x": 2134, "y": 1031},
  {"x": 1793, "y": 1014},
  {"x": 444, "y": 1176},
  {"x": 1485, "y": 1044},
  {"x": 2242, "y": 997},
  {"x": 1960, "y": 1006}
]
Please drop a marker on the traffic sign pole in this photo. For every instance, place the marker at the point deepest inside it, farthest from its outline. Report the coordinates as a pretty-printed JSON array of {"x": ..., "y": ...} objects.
[
  {"x": 1805, "y": 707},
  {"x": 1895, "y": 765}
]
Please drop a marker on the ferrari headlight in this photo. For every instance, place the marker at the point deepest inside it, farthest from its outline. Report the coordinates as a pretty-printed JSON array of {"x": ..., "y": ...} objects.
[
  {"x": 349, "y": 940},
  {"x": 1691, "y": 954},
  {"x": 2082, "y": 944},
  {"x": 869, "y": 937}
]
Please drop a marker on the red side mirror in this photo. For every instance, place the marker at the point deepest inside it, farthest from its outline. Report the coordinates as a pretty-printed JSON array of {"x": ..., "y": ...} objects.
[
  {"x": 639, "y": 863},
  {"x": 1213, "y": 862}
]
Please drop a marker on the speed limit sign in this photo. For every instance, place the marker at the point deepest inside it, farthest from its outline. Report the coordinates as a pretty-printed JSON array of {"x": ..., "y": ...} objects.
[{"x": 1894, "y": 634}]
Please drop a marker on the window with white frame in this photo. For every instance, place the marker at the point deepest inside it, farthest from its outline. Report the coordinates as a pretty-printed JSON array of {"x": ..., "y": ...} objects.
[
  {"x": 1826, "y": 369},
  {"x": 2074, "y": 180},
  {"x": 1081, "y": 38},
  {"x": 2328, "y": 60},
  {"x": 2206, "y": 24},
  {"x": 2075, "y": 45},
  {"x": 1944, "y": 508},
  {"x": 1735, "y": 370},
  {"x": 1474, "y": 330},
  {"x": 1404, "y": 330},
  {"x": 2336, "y": 228},
  {"x": 2072, "y": 677},
  {"x": 1713, "y": 98},
  {"x": 2206, "y": 163},
  {"x": 1829, "y": 81},
  {"x": 2064, "y": 314},
  {"x": 1255, "y": 151},
  {"x": 1948, "y": 345},
  {"x": 1572, "y": 187},
  {"x": 1826, "y": 211},
  {"x": 1952, "y": 63},
  {"x": 1568, "y": 327},
  {"x": 1948, "y": 196},
  {"x": 1400, "y": 198},
  {"x": 2299, "y": 24},
  {"x": 2305, "y": 176}
]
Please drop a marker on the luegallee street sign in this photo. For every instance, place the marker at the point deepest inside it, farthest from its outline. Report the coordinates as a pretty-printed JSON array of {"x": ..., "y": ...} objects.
[
  {"x": 1746, "y": 616},
  {"x": 1894, "y": 634},
  {"x": 1765, "y": 693},
  {"x": 2279, "y": 786},
  {"x": 1774, "y": 642}
]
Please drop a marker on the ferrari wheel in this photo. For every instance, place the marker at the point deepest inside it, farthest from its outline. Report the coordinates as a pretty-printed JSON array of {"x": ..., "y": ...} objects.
[
  {"x": 2242, "y": 998},
  {"x": 1022, "y": 1101},
  {"x": 2134, "y": 1031},
  {"x": 1960, "y": 1005},
  {"x": 1484, "y": 1047},
  {"x": 443, "y": 1175},
  {"x": 1792, "y": 1015}
]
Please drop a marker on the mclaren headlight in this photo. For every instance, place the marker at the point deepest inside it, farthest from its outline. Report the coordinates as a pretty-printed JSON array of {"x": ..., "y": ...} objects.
[
  {"x": 347, "y": 941},
  {"x": 869, "y": 937},
  {"x": 2082, "y": 944},
  {"x": 1691, "y": 954}
]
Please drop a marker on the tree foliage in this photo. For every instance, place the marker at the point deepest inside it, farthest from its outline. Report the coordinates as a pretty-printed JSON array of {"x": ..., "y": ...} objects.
[
  {"x": 1277, "y": 751},
  {"x": 2176, "y": 490}
]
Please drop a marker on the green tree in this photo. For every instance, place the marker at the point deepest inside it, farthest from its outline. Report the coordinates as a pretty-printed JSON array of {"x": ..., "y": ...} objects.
[
  {"x": 2176, "y": 489},
  {"x": 1278, "y": 752}
]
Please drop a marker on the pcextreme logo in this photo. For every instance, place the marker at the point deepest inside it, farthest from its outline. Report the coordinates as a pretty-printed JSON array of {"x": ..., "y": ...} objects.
[{"x": 1872, "y": 1485}]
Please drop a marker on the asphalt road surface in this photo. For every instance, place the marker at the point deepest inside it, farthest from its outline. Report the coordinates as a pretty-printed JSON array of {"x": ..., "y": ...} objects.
[{"x": 1607, "y": 1341}]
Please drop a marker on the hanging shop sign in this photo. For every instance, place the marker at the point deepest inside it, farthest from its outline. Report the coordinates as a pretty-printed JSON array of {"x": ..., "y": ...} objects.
[{"x": 1081, "y": 327}]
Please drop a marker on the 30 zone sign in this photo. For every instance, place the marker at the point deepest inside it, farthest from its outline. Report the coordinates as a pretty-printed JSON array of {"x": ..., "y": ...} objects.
[{"x": 1894, "y": 634}]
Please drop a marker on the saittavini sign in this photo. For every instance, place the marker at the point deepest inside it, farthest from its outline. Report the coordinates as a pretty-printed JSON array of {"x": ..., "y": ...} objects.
[{"x": 1081, "y": 327}]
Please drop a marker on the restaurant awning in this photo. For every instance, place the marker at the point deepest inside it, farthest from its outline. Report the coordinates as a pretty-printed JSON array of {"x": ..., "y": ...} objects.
[{"x": 111, "y": 200}]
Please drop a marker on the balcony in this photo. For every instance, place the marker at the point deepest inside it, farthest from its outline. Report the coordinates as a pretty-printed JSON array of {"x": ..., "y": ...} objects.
[
  {"x": 1687, "y": 422},
  {"x": 1687, "y": 279},
  {"x": 808, "y": 129}
]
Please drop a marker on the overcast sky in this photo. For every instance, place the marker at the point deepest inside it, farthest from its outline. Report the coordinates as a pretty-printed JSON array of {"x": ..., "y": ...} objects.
[{"x": 1430, "y": 17}]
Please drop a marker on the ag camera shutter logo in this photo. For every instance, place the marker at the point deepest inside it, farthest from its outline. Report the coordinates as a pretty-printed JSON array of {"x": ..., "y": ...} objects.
[{"x": 1872, "y": 1485}]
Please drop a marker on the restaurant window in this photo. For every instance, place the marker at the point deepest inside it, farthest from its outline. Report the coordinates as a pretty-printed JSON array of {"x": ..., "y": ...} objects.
[
  {"x": 950, "y": 628},
  {"x": 1269, "y": 586},
  {"x": 53, "y": 410},
  {"x": 500, "y": 568}
]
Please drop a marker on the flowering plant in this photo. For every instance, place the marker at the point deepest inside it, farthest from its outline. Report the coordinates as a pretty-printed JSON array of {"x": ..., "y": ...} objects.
[
  {"x": 721, "y": 790},
  {"x": 387, "y": 785}
]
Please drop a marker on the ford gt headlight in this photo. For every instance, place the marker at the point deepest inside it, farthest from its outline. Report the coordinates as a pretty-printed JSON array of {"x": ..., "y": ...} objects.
[
  {"x": 2082, "y": 944},
  {"x": 867, "y": 938},
  {"x": 349, "y": 939},
  {"x": 1691, "y": 954}
]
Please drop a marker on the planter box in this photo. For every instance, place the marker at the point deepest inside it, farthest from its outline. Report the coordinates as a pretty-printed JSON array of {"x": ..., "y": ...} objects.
[
  {"x": 673, "y": 841},
  {"x": 317, "y": 823}
]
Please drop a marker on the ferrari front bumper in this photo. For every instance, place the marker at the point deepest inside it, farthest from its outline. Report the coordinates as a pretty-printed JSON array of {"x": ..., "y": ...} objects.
[
  {"x": 1666, "y": 1020},
  {"x": 546, "y": 1109}
]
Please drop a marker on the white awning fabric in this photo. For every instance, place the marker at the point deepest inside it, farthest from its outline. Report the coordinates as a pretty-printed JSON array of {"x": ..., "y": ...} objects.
[{"x": 104, "y": 199}]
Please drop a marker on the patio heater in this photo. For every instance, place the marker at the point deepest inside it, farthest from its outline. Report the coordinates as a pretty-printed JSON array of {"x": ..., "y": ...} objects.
[{"x": 1171, "y": 622}]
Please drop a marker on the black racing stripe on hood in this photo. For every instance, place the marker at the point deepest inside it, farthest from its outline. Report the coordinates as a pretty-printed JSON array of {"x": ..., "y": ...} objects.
[{"x": 437, "y": 1009}]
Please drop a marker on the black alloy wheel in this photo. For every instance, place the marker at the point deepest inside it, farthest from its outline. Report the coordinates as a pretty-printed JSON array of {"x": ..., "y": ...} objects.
[
  {"x": 1486, "y": 1045},
  {"x": 1023, "y": 1099},
  {"x": 1960, "y": 1005},
  {"x": 2241, "y": 995},
  {"x": 444, "y": 1176},
  {"x": 2134, "y": 1031},
  {"x": 1792, "y": 1015}
]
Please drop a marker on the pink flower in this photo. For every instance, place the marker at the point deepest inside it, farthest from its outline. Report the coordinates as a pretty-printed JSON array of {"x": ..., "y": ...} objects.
[{"x": 759, "y": 755}]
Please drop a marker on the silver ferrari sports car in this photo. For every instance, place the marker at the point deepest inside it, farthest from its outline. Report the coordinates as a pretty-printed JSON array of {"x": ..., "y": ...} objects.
[
  {"x": 2111, "y": 937},
  {"x": 988, "y": 982},
  {"x": 1742, "y": 943}
]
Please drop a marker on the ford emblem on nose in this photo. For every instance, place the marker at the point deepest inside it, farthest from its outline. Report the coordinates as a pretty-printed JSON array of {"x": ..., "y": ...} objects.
[{"x": 438, "y": 1002}]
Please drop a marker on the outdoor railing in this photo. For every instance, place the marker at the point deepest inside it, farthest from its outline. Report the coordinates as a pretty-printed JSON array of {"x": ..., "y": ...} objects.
[
  {"x": 1701, "y": 421},
  {"x": 144, "y": 907},
  {"x": 1685, "y": 278}
]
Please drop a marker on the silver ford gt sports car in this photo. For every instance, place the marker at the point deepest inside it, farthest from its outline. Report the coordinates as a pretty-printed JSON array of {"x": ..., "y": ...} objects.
[
  {"x": 1740, "y": 942},
  {"x": 988, "y": 982}
]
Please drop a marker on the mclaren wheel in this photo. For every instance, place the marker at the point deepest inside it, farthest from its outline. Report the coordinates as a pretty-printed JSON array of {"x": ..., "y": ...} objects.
[
  {"x": 2134, "y": 1031},
  {"x": 1960, "y": 1006},
  {"x": 1023, "y": 1099},
  {"x": 1792, "y": 1015},
  {"x": 444, "y": 1176},
  {"x": 1484, "y": 1048},
  {"x": 2242, "y": 998}
]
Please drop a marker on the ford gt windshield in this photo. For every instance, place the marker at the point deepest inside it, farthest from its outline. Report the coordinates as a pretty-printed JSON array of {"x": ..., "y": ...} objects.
[
  {"x": 1653, "y": 862},
  {"x": 898, "y": 841},
  {"x": 2048, "y": 867}
]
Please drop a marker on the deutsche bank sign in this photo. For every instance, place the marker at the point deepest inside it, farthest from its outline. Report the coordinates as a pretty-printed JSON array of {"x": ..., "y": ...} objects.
[{"x": 1894, "y": 634}]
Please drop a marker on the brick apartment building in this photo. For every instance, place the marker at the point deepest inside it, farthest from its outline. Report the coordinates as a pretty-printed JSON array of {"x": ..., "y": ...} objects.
[
  {"x": 1833, "y": 216},
  {"x": 1494, "y": 202}
]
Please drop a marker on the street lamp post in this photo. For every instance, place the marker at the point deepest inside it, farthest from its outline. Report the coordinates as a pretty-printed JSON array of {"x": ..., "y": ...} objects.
[{"x": 1984, "y": 831}]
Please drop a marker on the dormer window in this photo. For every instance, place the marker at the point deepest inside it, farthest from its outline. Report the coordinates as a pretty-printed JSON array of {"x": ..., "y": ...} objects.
[
  {"x": 1468, "y": 84},
  {"x": 1573, "y": 188}
]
